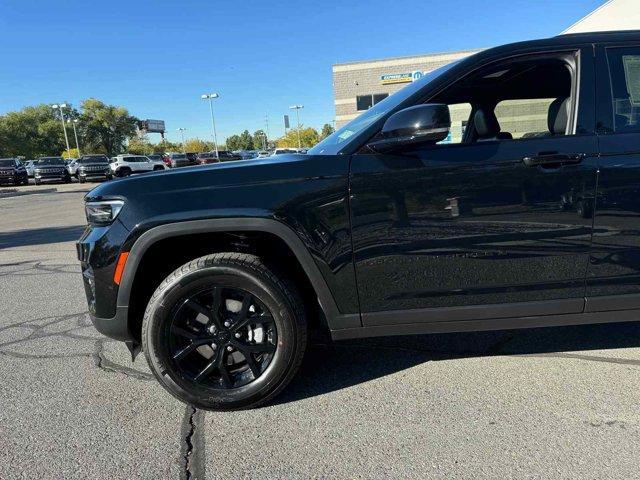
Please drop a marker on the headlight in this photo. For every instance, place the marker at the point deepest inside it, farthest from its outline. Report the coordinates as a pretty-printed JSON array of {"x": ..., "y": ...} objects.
[{"x": 102, "y": 213}]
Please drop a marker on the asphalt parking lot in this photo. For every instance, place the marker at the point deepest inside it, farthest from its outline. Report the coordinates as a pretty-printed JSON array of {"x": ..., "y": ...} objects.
[{"x": 540, "y": 403}]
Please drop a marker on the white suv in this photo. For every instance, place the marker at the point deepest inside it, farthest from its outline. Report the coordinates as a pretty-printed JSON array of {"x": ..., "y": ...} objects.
[{"x": 125, "y": 165}]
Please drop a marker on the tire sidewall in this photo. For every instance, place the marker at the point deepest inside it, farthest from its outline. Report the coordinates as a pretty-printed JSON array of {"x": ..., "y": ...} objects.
[{"x": 159, "y": 314}]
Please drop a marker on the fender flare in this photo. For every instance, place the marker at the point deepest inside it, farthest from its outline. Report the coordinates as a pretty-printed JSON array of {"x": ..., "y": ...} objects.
[{"x": 335, "y": 319}]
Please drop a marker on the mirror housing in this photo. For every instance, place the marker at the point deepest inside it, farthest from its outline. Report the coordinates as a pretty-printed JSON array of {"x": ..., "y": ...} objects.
[{"x": 421, "y": 124}]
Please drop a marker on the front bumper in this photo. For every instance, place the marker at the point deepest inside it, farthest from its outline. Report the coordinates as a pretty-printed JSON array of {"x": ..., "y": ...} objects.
[
  {"x": 116, "y": 327},
  {"x": 95, "y": 174},
  {"x": 98, "y": 251},
  {"x": 46, "y": 176}
]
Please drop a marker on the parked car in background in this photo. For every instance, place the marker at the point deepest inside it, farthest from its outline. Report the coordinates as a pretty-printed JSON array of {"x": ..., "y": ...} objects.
[
  {"x": 125, "y": 165},
  {"x": 92, "y": 167},
  {"x": 175, "y": 160},
  {"x": 72, "y": 167},
  {"x": 156, "y": 157},
  {"x": 191, "y": 156},
  {"x": 29, "y": 167},
  {"x": 207, "y": 157},
  {"x": 51, "y": 169},
  {"x": 222, "y": 156},
  {"x": 246, "y": 154},
  {"x": 12, "y": 171}
]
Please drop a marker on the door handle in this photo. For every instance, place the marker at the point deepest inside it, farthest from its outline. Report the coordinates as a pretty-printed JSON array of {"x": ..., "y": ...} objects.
[{"x": 553, "y": 159}]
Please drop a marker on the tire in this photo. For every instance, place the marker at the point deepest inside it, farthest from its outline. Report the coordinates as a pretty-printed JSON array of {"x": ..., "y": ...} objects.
[
  {"x": 230, "y": 274},
  {"x": 82, "y": 179},
  {"x": 36, "y": 181},
  {"x": 157, "y": 168},
  {"x": 123, "y": 172}
]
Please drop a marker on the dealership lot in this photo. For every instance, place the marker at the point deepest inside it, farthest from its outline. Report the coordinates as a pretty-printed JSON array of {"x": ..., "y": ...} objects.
[{"x": 541, "y": 403}]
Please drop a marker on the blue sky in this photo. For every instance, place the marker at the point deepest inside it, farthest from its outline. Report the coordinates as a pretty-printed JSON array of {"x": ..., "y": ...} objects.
[{"x": 157, "y": 57}]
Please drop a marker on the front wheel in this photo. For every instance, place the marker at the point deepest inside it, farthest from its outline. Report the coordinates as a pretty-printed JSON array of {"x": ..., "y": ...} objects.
[{"x": 224, "y": 332}]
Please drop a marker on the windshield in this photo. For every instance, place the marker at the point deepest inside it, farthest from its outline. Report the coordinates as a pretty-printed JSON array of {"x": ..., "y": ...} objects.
[
  {"x": 7, "y": 163},
  {"x": 51, "y": 161},
  {"x": 333, "y": 142}
]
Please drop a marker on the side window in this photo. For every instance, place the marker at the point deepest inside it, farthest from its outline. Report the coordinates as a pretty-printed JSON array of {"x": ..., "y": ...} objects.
[
  {"x": 459, "y": 113},
  {"x": 524, "y": 118},
  {"x": 624, "y": 70}
]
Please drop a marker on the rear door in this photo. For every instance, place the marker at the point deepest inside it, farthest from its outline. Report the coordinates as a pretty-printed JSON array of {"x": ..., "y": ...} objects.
[{"x": 613, "y": 280}]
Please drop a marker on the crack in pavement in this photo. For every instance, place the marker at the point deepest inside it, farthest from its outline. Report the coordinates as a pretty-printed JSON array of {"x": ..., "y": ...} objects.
[
  {"x": 38, "y": 330},
  {"x": 30, "y": 268},
  {"x": 192, "y": 439}
]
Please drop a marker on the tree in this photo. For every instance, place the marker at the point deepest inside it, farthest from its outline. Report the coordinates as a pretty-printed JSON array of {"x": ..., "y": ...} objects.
[
  {"x": 107, "y": 127},
  {"x": 165, "y": 146},
  {"x": 308, "y": 138},
  {"x": 259, "y": 139},
  {"x": 246, "y": 141},
  {"x": 197, "y": 145},
  {"x": 31, "y": 132},
  {"x": 327, "y": 130},
  {"x": 233, "y": 142},
  {"x": 73, "y": 153},
  {"x": 140, "y": 146}
]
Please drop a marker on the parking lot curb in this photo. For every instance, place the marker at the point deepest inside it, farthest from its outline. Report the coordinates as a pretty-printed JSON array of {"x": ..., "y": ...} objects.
[{"x": 17, "y": 193}]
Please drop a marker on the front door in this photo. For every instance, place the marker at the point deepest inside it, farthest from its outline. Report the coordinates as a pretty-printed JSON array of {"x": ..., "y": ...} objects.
[{"x": 473, "y": 228}]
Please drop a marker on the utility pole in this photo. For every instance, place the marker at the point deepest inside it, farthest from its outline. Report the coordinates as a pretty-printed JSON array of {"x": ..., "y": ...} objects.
[
  {"x": 64, "y": 128},
  {"x": 75, "y": 134},
  {"x": 266, "y": 121},
  {"x": 182, "y": 130},
  {"x": 210, "y": 97},
  {"x": 297, "y": 109}
]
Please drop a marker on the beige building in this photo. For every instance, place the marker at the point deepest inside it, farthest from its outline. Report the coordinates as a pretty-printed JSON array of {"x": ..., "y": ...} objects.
[{"x": 358, "y": 86}]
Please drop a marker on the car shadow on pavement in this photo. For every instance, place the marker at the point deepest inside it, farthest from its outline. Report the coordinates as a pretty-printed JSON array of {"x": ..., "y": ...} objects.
[
  {"x": 40, "y": 236},
  {"x": 330, "y": 366}
]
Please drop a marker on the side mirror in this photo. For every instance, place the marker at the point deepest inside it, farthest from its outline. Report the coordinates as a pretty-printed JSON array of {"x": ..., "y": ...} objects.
[{"x": 421, "y": 124}]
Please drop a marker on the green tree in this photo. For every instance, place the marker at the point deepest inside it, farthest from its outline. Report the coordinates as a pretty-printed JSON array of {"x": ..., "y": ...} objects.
[
  {"x": 107, "y": 127},
  {"x": 166, "y": 146},
  {"x": 327, "y": 130},
  {"x": 73, "y": 153},
  {"x": 308, "y": 138},
  {"x": 197, "y": 145},
  {"x": 246, "y": 141},
  {"x": 233, "y": 142},
  {"x": 140, "y": 146},
  {"x": 259, "y": 139},
  {"x": 31, "y": 132}
]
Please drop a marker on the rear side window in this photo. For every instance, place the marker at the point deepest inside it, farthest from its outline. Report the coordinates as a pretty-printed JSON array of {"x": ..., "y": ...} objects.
[{"x": 624, "y": 69}]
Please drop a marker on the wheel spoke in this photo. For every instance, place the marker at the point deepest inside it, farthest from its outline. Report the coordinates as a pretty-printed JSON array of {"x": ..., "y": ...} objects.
[
  {"x": 191, "y": 346},
  {"x": 222, "y": 368},
  {"x": 214, "y": 319},
  {"x": 183, "y": 332},
  {"x": 254, "y": 347},
  {"x": 210, "y": 367},
  {"x": 193, "y": 305}
]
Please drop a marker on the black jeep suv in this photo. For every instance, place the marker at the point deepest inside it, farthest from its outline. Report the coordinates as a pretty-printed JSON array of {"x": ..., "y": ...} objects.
[
  {"x": 13, "y": 172},
  {"x": 93, "y": 167},
  {"x": 497, "y": 192},
  {"x": 50, "y": 169}
]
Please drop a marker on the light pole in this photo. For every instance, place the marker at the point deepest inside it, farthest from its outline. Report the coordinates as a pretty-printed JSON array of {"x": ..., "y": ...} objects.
[
  {"x": 210, "y": 97},
  {"x": 297, "y": 109},
  {"x": 264, "y": 140},
  {"x": 75, "y": 134},
  {"x": 182, "y": 130},
  {"x": 56, "y": 106}
]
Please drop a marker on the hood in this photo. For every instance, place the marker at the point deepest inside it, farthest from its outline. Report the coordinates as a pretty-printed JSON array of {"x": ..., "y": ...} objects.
[{"x": 97, "y": 164}]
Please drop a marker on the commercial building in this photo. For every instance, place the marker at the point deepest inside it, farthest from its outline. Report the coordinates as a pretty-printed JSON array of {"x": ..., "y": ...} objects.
[{"x": 359, "y": 85}]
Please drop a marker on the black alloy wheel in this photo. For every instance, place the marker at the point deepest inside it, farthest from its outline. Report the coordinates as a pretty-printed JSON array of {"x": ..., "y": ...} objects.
[
  {"x": 224, "y": 332},
  {"x": 221, "y": 337}
]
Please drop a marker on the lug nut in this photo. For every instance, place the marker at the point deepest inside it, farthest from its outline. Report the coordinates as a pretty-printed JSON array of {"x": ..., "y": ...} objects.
[
  {"x": 214, "y": 346},
  {"x": 229, "y": 348},
  {"x": 238, "y": 334},
  {"x": 226, "y": 324}
]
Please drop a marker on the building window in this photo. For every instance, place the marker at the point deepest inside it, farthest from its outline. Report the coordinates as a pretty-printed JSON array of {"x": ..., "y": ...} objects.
[{"x": 365, "y": 102}]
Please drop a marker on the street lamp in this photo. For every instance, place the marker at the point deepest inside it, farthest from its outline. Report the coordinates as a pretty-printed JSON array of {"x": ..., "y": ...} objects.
[
  {"x": 297, "y": 109},
  {"x": 60, "y": 106},
  {"x": 182, "y": 130},
  {"x": 75, "y": 134},
  {"x": 210, "y": 97}
]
